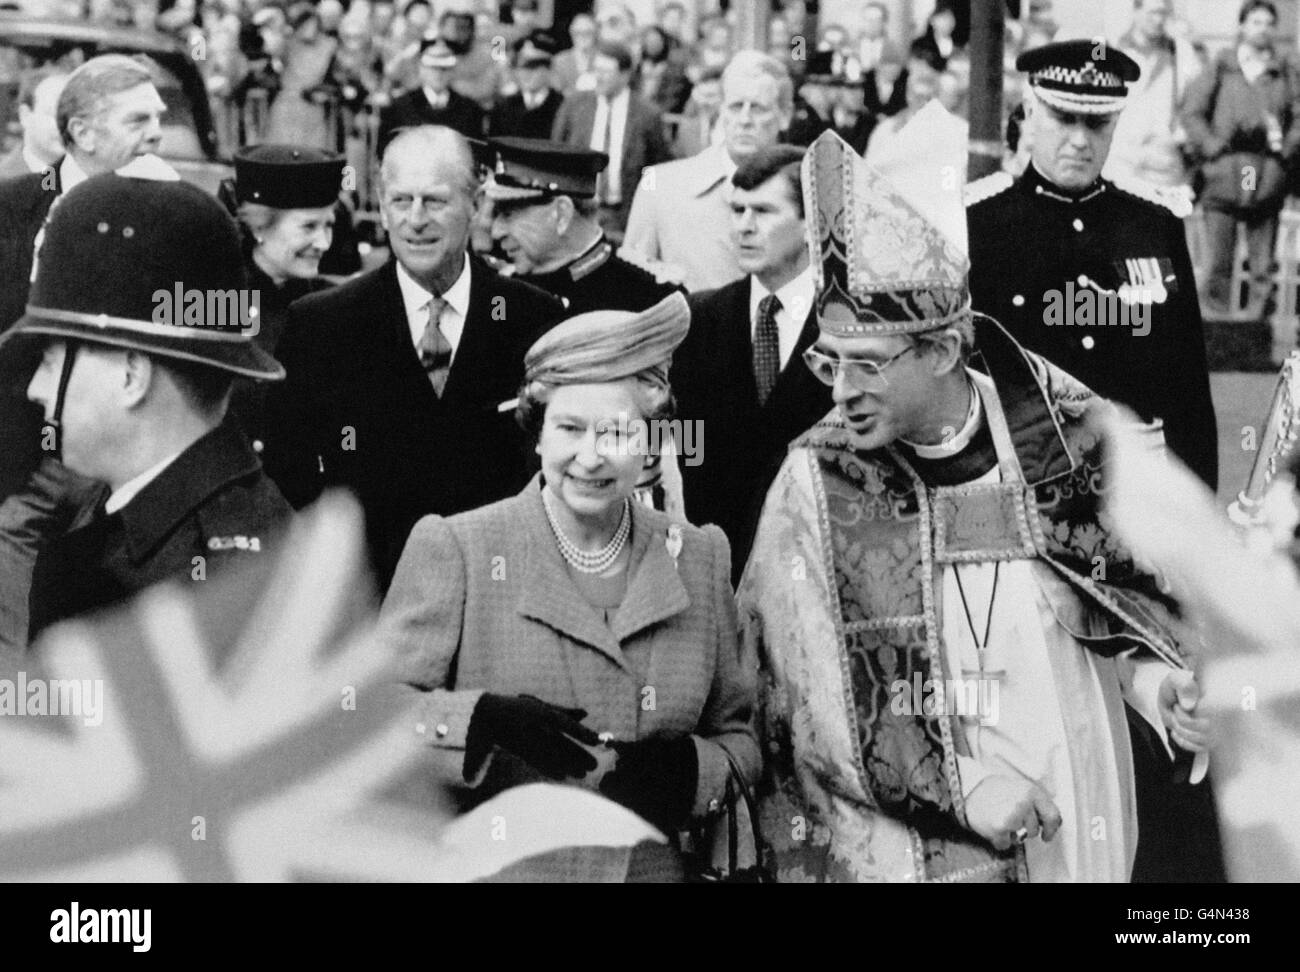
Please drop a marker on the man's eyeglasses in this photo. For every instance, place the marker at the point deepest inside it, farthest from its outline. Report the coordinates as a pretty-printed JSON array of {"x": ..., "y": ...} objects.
[{"x": 863, "y": 374}]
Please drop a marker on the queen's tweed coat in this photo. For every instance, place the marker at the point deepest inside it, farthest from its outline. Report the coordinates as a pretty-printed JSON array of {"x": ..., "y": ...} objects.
[{"x": 483, "y": 602}]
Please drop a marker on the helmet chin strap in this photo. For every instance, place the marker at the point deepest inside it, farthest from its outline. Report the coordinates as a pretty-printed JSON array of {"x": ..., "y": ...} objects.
[{"x": 55, "y": 422}]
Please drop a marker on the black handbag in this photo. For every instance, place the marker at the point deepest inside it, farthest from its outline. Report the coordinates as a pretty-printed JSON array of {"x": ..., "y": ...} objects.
[{"x": 699, "y": 860}]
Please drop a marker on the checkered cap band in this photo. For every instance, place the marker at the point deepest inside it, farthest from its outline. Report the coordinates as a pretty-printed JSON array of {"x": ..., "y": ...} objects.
[{"x": 1086, "y": 77}]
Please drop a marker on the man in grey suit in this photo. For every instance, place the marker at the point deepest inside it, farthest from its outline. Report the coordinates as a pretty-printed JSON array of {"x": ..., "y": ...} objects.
[
  {"x": 614, "y": 120},
  {"x": 681, "y": 211}
]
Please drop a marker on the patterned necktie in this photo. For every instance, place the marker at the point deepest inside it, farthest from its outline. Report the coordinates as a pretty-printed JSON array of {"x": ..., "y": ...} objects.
[
  {"x": 434, "y": 348},
  {"x": 767, "y": 347}
]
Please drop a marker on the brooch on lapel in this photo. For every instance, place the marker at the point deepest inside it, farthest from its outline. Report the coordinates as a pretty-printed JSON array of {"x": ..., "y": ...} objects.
[{"x": 674, "y": 542}]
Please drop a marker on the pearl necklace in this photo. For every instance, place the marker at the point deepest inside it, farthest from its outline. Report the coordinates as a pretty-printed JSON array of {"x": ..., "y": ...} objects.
[{"x": 580, "y": 560}]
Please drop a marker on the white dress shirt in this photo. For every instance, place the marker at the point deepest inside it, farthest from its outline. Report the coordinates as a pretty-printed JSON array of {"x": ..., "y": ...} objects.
[
  {"x": 415, "y": 300},
  {"x": 617, "y": 128},
  {"x": 796, "y": 299},
  {"x": 437, "y": 100},
  {"x": 129, "y": 489},
  {"x": 33, "y": 163},
  {"x": 70, "y": 173}
]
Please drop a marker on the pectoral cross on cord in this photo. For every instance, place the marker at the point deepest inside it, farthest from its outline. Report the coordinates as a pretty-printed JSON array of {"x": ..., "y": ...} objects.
[{"x": 981, "y": 647}]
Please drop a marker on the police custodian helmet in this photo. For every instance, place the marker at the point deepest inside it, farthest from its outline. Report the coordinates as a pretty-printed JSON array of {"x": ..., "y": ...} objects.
[{"x": 150, "y": 266}]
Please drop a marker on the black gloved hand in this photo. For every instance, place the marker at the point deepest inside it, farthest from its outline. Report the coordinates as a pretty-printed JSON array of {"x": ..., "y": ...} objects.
[
  {"x": 656, "y": 778},
  {"x": 535, "y": 731}
]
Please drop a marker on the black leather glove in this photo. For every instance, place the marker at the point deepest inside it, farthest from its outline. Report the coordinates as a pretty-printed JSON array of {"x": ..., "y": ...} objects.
[
  {"x": 656, "y": 778},
  {"x": 535, "y": 731}
]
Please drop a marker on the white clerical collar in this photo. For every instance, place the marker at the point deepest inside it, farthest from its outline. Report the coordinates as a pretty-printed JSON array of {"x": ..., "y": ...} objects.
[
  {"x": 415, "y": 296},
  {"x": 955, "y": 444},
  {"x": 129, "y": 489}
]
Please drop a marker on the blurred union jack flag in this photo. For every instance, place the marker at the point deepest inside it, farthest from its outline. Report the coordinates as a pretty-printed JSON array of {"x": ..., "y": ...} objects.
[{"x": 249, "y": 732}]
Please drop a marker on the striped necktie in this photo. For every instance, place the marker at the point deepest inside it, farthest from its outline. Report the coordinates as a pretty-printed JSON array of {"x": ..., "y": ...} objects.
[{"x": 434, "y": 348}]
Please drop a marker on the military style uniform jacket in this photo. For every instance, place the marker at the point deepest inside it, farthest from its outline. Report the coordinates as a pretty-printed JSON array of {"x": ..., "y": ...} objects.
[
  {"x": 599, "y": 280},
  {"x": 213, "y": 501},
  {"x": 1036, "y": 252}
]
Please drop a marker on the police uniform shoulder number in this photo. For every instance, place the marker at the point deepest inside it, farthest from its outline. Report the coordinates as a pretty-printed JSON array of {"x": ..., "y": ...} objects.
[
  {"x": 986, "y": 188},
  {"x": 237, "y": 520},
  {"x": 1176, "y": 199},
  {"x": 237, "y": 542}
]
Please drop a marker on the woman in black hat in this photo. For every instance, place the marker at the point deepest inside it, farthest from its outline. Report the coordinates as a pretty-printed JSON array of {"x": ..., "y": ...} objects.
[{"x": 285, "y": 199}]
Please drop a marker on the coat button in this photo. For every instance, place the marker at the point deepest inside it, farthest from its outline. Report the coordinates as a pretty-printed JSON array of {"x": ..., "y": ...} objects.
[
  {"x": 1078, "y": 225},
  {"x": 257, "y": 445},
  {"x": 441, "y": 730},
  {"x": 1018, "y": 301},
  {"x": 1088, "y": 343}
]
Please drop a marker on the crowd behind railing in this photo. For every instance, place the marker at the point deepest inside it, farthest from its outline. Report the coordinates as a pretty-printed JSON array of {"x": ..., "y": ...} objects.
[{"x": 321, "y": 74}]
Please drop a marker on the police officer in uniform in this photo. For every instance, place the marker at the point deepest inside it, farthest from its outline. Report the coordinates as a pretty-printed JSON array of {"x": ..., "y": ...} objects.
[
  {"x": 139, "y": 341},
  {"x": 544, "y": 222},
  {"x": 1077, "y": 267},
  {"x": 1045, "y": 248}
]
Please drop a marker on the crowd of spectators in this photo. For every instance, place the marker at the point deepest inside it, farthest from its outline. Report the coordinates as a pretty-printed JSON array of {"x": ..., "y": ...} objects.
[
  {"x": 313, "y": 72},
  {"x": 327, "y": 73}
]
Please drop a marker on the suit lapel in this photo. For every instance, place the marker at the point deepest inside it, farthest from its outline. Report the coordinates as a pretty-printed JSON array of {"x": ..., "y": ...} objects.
[
  {"x": 548, "y": 595},
  {"x": 740, "y": 339},
  {"x": 587, "y": 119},
  {"x": 404, "y": 356},
  {"x": 711, "y": 170},
  {"x": 795, "y": 374},
  {"x": 476, "y": 338},
  {"x": 655, "y": 591}
]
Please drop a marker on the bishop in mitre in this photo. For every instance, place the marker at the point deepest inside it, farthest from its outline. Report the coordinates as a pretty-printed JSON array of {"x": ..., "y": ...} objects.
[{"x": 948, "y": 631}]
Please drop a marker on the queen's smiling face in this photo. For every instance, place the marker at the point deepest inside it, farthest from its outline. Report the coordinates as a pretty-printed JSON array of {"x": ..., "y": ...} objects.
[{"x": 589, "y": 454}]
